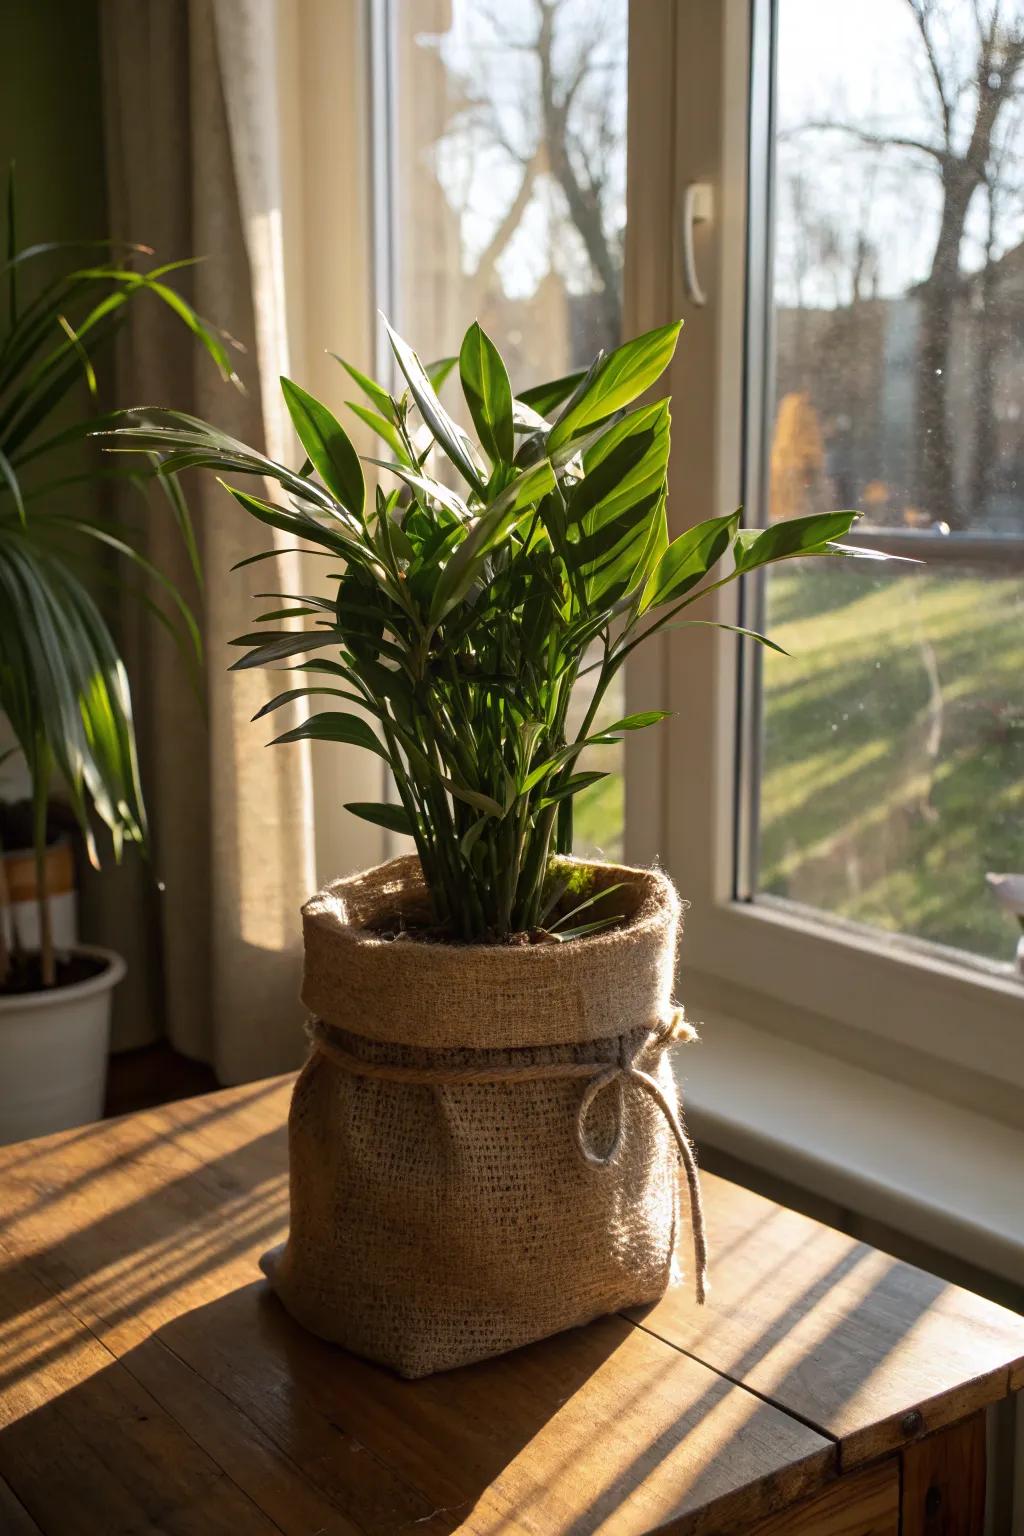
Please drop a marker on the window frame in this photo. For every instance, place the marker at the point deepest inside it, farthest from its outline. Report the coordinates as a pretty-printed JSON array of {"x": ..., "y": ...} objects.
[{"x": 846, "y": 988}]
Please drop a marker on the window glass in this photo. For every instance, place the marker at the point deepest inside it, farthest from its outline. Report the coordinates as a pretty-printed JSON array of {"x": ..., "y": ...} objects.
[
  {"x": 510, "y": 163},
  {"x": 892, "y": 752}
]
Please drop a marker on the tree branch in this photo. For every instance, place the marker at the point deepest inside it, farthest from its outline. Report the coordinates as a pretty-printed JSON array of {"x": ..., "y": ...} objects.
[
  {"x": 921, "y": 11},
  {"x": 868, "y": 136}
]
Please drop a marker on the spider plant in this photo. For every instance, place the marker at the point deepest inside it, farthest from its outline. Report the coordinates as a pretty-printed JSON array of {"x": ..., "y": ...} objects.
[
  {"x": 458, "y": 623},
  {"x": 63, "y": 685}
]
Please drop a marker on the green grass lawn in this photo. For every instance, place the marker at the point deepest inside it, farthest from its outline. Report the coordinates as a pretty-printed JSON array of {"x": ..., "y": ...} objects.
[
  {"x": 600, "y": 811},
  {"x": 893, "y": 762},
  {"x": 893, "y": 768}
]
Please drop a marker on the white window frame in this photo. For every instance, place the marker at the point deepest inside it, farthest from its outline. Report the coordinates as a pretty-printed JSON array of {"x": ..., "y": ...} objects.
[{"x": 846, "y": 989}]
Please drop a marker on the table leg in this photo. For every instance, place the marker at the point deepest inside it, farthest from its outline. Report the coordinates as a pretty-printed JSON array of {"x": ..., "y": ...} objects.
[{"x": 944, "y": 1482}]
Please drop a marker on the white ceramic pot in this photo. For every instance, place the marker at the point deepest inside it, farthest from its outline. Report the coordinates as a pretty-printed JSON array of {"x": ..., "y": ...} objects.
[{"x": 53, "y": 1053}]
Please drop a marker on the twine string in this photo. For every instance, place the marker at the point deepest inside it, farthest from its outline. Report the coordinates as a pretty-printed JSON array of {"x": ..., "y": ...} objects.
[{"x": 597, "y": 1077}]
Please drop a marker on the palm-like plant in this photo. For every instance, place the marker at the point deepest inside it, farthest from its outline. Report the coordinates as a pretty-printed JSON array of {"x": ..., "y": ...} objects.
[
  {"x": 460, "y": 623},
  {"x": 63, "y": 685}
]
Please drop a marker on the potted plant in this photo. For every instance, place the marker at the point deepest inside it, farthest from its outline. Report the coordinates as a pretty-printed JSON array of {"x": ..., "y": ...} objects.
[
  {"x": 484, "y": 1141},
  {"x": 63, "y": 685}
]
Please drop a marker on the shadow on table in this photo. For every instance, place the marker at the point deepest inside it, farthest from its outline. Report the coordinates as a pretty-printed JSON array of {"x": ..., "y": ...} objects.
[
  {"x": 232, "y": 1418},
  {"x": 149, "y": 1385},
  {"x": 82, "y": 1254}
]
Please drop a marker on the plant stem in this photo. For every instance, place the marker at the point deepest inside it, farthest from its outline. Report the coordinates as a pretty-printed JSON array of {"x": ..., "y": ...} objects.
[{"x": 47, "y": 962}]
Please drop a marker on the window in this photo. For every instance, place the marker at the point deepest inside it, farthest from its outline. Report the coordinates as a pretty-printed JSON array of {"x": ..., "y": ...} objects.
[
  {"x": 829, "y": 816},
  {"x": 509, "y": 207},
  {"x": 891, "y": 741}
]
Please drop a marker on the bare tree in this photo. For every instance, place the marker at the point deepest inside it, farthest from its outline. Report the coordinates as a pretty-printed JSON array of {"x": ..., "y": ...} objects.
[
  {"x": 1001, "y": 188},
  {"x": 562, "y": 127},
  {"x": 963, "y": 161},
  {"x": 580, "y": 161}
]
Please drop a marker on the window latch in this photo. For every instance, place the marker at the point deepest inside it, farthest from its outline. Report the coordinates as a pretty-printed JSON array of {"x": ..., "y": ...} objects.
[{"x": 698, "y": 208}]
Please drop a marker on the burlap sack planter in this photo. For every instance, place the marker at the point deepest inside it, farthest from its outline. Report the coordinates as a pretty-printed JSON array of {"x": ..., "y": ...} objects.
[{"x": 485, "y": 1140}]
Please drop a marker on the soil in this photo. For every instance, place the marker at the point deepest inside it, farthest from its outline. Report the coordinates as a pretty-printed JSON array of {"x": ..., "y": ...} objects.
[
  {"x": 413, "y": 924},
  {"x": 400, "y": 928},
  {"x": 25, "y": 975}
]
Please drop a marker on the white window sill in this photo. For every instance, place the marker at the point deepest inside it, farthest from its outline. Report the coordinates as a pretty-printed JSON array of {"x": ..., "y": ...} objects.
[{"x": 941, "y": 1174}]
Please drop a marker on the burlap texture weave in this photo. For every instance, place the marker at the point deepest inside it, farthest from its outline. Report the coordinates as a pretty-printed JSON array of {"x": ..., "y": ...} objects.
[{"x": 437, "y": 1223}]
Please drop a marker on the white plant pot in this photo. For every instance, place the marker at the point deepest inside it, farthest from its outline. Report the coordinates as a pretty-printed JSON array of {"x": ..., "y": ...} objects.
[{"x": 53, "y": 1053}]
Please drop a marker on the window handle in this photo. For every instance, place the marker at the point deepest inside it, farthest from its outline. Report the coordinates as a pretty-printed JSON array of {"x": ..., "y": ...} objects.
[{"x": 698, "y": 207}]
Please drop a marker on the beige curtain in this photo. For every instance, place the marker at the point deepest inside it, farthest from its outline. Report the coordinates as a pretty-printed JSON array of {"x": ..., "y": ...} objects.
[{"x": 211, "y": 931}]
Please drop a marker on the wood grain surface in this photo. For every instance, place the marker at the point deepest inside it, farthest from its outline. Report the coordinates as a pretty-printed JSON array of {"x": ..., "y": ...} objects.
[
  {"x": 866, "y": 1503},
  {"x": 873, "y": 1352},
  {"x": 150, "y": 1381},
  {"x": 944, "y": 1482}
]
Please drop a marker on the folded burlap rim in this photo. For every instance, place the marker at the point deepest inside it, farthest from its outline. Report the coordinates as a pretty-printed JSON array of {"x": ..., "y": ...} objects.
[
  {"x": 597, "y": 1076},
  {"x": 486, "y": 996}
]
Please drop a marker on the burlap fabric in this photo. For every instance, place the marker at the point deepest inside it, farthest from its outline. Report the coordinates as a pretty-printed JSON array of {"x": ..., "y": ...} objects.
[{"x": 484, "y": 1142}]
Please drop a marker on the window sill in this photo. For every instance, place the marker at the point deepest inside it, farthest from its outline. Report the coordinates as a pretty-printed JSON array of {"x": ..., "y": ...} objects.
[{"x": 944, "y": 1175}]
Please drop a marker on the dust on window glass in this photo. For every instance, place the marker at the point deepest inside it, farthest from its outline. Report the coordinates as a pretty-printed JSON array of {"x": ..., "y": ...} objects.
[
  {"x": 892, "y": 767},
  {"x": 510, "y": 160}
]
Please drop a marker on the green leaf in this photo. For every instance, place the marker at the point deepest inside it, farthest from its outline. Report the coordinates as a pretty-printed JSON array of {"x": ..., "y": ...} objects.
[
  {"x": 274, "y": 554},
  {"x": 625, "y": 465},
  {"x": 488, "y": 393},
  {"x": 526, "y": 420},
  {"x": 373, "y": 391},
  {"x": 571, "y": 786},
  {"x": 616, "y": 512},
  {"x": 432, "y": 489},
  {"x": 395, "y": 818},
  {"x": 791, "y": 538},
  {"x": 336, "y": 537},
  {"x": 490, "y": 528},
  {"x": 329, "y": 447},
  {"x": 290, "y": 644},
  {"x": 544, "y": 398},
  {"x": 585, "y": 929},
  {"x": 334, "y": 725},
  {"x": 591, "y": 901},
  {"x": 383, "y": 428},
  {"x": 473, "y": 797},
  {"x": 733, "y": 629},
  {"x": 291, "y": 694},
  {"x": 638, "y": 722},
  {"x": 689, "y": 558},
  {"x": 617, "y": 381},
  {"x": 447, "y": 434},
  {"x": 439, "y": 369},
  {"x": 13, "y": 486},
  {"x": 472, "y": 837}
]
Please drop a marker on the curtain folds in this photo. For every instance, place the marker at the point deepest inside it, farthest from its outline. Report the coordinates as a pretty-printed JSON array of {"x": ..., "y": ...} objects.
[{"x": 211, "y": 930}]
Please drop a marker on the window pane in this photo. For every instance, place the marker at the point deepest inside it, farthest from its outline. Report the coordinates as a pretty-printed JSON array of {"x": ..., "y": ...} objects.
[
  {"x": 893, "y": 739},
  {"x": 511, "y": 166},
  {"x": 893, "y": 775}
]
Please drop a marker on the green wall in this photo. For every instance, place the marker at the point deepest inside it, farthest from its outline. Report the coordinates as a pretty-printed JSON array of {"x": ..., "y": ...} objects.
[{"x": 51, "y": 120}]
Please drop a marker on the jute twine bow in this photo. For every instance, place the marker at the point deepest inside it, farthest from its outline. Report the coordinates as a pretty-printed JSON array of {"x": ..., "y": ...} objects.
[{"x": 598, "y": 1075}]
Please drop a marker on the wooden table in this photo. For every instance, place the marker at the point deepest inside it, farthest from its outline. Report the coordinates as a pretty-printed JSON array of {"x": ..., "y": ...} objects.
[{"x": 149, "y": 1381}]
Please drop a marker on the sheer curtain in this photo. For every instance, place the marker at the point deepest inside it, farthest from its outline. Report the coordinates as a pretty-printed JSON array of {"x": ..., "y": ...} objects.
[{"x": 211, "y": 930}]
